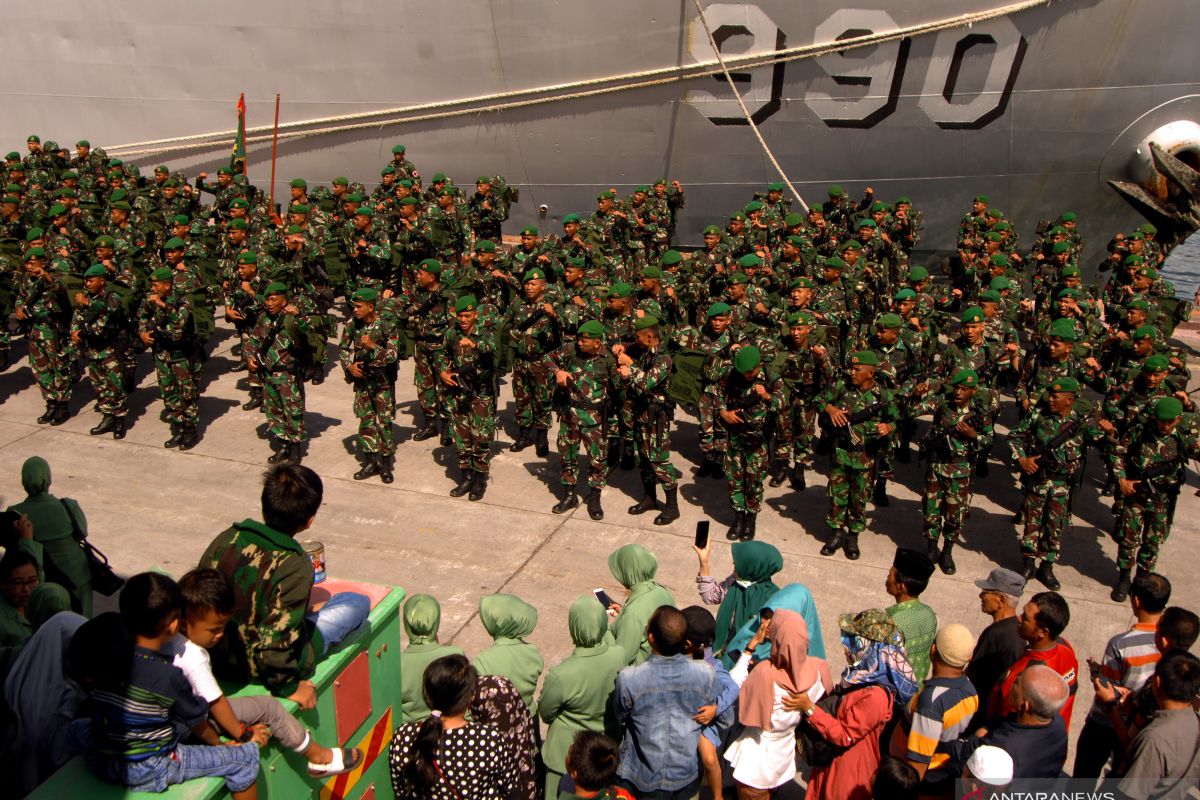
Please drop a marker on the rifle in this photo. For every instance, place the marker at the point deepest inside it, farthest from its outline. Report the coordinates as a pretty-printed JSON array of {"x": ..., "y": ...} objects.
[{"x": 936, "y": 443}]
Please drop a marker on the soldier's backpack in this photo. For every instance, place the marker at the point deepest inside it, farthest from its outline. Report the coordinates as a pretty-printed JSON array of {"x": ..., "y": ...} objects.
[
  {"x": 204, "y": 323},
  {"x": 686, "y": 380},
  {"x": 506, "y": 194}
]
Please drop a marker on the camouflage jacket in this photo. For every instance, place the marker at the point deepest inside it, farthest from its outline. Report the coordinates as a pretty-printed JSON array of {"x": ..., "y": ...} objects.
[
  {"x": 532, "y": 331},
  {"x": 430, "y": 313},
  {"x": 1164, "y": 456},
  {"x": 277, "y": 342},
  {"x": 647, "y": 384},
  {"x": 857, "y": 444},
  {"x": 101, "y": 324},
  {"x": 1038, "y": 430},
  {"x": 171, "y": 325},
  {"x": 735, "y": 393},
  {"x": 587, "y": 390},
  {"x": 377, "y": 360},
  {"x": 951, "y": 453},
  {"x": 803, "y": 372},
  {"x": 474, "y": 368}
]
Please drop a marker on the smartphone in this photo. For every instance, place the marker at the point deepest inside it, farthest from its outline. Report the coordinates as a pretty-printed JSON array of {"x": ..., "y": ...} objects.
[
  {"x": 702, "y": 533},
  {"x": 603, "y": 597}
]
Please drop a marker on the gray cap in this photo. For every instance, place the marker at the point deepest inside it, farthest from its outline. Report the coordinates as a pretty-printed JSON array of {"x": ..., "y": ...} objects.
[{"x": 1004, "y": 581}]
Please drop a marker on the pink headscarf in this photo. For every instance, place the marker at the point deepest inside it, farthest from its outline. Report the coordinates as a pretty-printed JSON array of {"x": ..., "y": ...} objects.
[{"x": 790, "y": 667}]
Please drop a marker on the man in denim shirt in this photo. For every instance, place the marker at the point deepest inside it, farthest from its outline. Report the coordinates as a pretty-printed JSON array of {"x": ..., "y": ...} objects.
[{"x": 655, "y": 703}]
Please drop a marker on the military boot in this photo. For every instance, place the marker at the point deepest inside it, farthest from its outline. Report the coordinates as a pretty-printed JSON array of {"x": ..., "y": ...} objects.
[
  {"x": 749, "y": 526},
  {"x": 119, "y": 428},
  {"x": 1045, "y": 574},
  {"x": 48, "y": 414},
  {"x": 190, "y": 438},
  {"x": 851, "y": 546},
  {"x": 880, "y": 497},
  {"x": 593, "y": 505},
  {"x": 541, "y": 441},
  {"x": 904, "y": 452},
  {"x": 446, "y": 437},
  {"x": 281, "y": 453},
  {"x": 735, "y": 530},
  {"x": 648, "y": 502},
  {"x": 370, "y": 466},
  {"x": 106, "y": 425},
  {"x": 798, "y": 482},
  {"x": 931, "y": 550},
  {"x": 718, "y": 465},
  {"x": 385, "y": 469},
  {"x": 255, "y": 400},
  {"x": 706, "y": 466},
  {"x": 778, "y": 472},
  {"x": 614, "y": 454},
  {"x": 295, "y": 453},
  {"x": 522, "y": 441},
  {"x": 946, "y": 560},
  {"x": 427, "y": 432},
  {"x": 176, "y": 435},
  {"x": 1028, "y": 567},
  {"x": 670, "y": 510},
  {"x": 62, "y": 413},
  {"x": 464, "y": 486},
  {"x": 570, "y": 500},
  {"x": 835, "y": 542},
  {"x": 1120, "y": 592},
  {"x": 478, "y": 487}
]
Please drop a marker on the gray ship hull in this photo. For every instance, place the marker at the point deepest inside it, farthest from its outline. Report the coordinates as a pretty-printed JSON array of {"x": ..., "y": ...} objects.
[{"x": 1038, "y": 109}]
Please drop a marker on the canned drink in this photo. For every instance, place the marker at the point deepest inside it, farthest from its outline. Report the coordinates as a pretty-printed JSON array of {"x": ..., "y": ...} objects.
[{"x": 316, "y": 554}]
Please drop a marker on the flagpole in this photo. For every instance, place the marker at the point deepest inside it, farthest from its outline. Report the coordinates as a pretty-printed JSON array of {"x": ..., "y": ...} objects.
[{"x": 274, "y": 150}]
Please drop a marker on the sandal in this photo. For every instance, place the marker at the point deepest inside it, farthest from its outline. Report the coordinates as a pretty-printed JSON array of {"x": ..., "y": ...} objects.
[{"x": 344, "y": 760}]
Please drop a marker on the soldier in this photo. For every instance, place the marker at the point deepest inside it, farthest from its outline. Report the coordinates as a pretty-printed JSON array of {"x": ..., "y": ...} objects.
[
  {"x": 1048, "y": 445},
  {"x": 864, "y": 416},
  {"x": 747, "y": 401},
  {"x": 644, "y": 370},
  {"x": 165, "y": 324},
  {"x": 1151, "y": 465},
  {"x": 466, "y": 364},
  {"x": 404, "y": 169},
  {"x": 716, "y": 340},
  {"x": 243, "y": 306},
  {"x": 369, "y": 253},
  {"x": 427, "y": 313},
  {"x": 1056, "y": 359},
  {"x": 899, "y": 370},
  {"x": 962, "y": 428},
  {"x": 100, "y": 326},
  {"x": 582, "y": 372},
  {"x": 369, "y": 348},
  {"x": 806, "y": 369},
  {"x": 448, "y": 227},
  {"x": 42, "y": 316},
  {"x": 535, "y": 329},
  {"x": 276, "y": 350},
  {"x": 486, "y": 212}
]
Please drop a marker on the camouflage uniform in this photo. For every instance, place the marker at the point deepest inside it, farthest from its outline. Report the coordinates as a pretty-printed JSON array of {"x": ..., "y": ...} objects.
[
  {"x": 429, "y": 313},
  {"x": 174, "y": 348},
  {"x": 275, "y": 344},
  {"x": 472, "y": 404},
  {"x": 533, "y": 334},
  {"x": 803, "y": 373},
  {"x": 582, "y": 412},
  {"x": 104, "y": 329},
  {"x": 45, "y": 333},
  {"x": 746, "y": 456},
  {"x": 375, "y": 391},
  {"x": 856, "y": 452},
  {"x": 653, "y": 410},
  {"x": 952, "y": 457}
]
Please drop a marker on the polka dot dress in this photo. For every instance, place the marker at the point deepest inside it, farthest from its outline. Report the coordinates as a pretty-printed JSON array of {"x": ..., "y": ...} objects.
[{"x": 475, "y": 760}]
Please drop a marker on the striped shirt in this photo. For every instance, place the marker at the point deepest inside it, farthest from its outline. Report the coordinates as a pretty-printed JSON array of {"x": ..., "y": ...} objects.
[
  {"x": 918, "y": 623},
  {"x": 934, "y": 719},
  {"x": 1129, "y": 661}
]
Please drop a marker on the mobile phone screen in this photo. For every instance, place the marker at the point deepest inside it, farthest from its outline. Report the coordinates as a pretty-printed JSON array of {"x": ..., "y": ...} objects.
[
  {"x": 702, "y": 533},
  {"x": 603, "y": 597}
]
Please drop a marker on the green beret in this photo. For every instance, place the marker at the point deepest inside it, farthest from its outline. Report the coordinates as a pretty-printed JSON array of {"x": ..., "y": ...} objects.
[
  {"x": 175, "y": 243},
  {"x": 775, "y": 186},
  {"x": 866, "y": 358},
  {"x": 35, "y": 252},
  {"x": 13, "y": 156},
  {"x": 803, "y": 282},
  {"x": 619, "y": 289},
  {"x": 890, "y": 321},
  {"x": 643, "y": 188},
  {"x": 651, "y": 272},
  {"x": 439, "y": 177},
  {"x": 833, "y": 262},
  {"x": 1065, "y": 384},
  {"x": 750, "y": 260},
  {"x": 33, "y": 137},
  {"x": 642, "y": 323},
  {"x": 221, "y": 171},
  {"x": 299, "y": 183},
  {"x": 1063, "y": 329},
  {"x": 412, "y": 201},
  {"x": 388, "y": 170},
  {"x": 990, "y": 296},
  {"x": 576, "y": 262},
  {"x": 801, "y": 318},
  {"x": 529, "y": 230},
  {"x": 104, "y": 241},
  {"x": 533, "y": 275},
  {"x": 239, "y": 202},
  {"x": 275, "y": 287},
  {"x": 592, "y": 329},
  {"x": 34, "y": 233},
  {"x": 1144, "y": 332},
  {"x": 1139, "y": 303},
  {"x": 739, "y": 278},
  {"x": 57, "y": 210},
  {"x": 1156, "y": 363},
  {"x": 836, "y": 191},
  {"x": 180, "y": 219},
  {"x": 364, "y": 211},
  {"x": 1002, "y": 226},
  {"x": 747, "y": 358},
  {"x": 447, "y": 191},
  {"x": 1060, "y": 247},
  {"x": 569, "y": 218},
  {"x": 1068, "y": 292},
  {"x": 903, "y": 200},
  {"x": 247, "y": 258},
  {"x": 994, "y": 236},
  {"x": 981, "y": 198},
  {"x": 483, "y": 179},
  {"x": 397, "y": 149},
  {"x": 1148, "y": 272},
  {"x": 162, "y": 274},
  {"x": 298, "y": 208},
  {"x": 465, "y": 303},
  {"x": 431, "y": 265},
  {"x": 972, "y": 314},
  {"x": 792, "y": 220},
  {"x": 1069, "y": 216},
  {"x": 161, "y": 169},
  {"x": 1070, "y": 271},
  {"x": 96, "y": 271},
  {"x": 994, "y": 213},
  {"x": 1134, "y": 260},
  {"x": 670, "y": 258},
  {"x": 905, "y": 294},
  {"x": 365, "y": 295},
  {"x": 406, "y": 183},
  {"x": 752, "y": 206},
  {"x": 737, "y": 217},
  {"x": 866, "y": 223},
  {"x": 119, "y": 194},
  {"x": 341, "y": 180},
  {"x": 716, "y": 310},
  {"x": 712, "y": 230},
  {"x": 853, "y": 244},
  {"x": 876, "y": 207},
  {"x": 21, "y": 168},
  {"x": 1138, "y": 236},
  {"x": 239, "y": 224},
  {"x": 965, "y": 377},
  {"x": 1148, "y": 229},
  {"x": 122, "y": 206},
  {"x": 795, "y": 241},
  {"x": 10, "y": 198},
  {"x": 1167, "y": 409},
  {"x": 354, "y": 197},
  {"x": 485, "y": 246},
  {"x": 1000, "y": 283},
  {"x": 293, "y": 230}
]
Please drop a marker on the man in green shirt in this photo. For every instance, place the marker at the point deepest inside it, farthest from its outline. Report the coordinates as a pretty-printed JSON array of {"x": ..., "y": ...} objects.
[{"x": 906, "y": 580}]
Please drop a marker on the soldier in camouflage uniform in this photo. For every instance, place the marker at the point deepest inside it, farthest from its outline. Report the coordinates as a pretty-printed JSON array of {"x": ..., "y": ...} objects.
[
  {"x": 99, "y": 325},
  {"x": 369, "y": 253},
  {"x": 582, "y": 376},
  {"x": 165, "y": 325},
  {"x": 485, "y": 211},
  {"x": 900, "y": 371},
  {"x": 1056, "y": 359},
  {"x": 1048, "y": 445},
  {"x": 466, "y": 364},
  {"x": 428, "y": 312},
  {"x": 1151, "y": 465},
  {"x": 535, "y": 328},
  {"x": 806, "y": 370},
  {"x": 448, "y": 227},
  {"x": 962, "y": 428},
  {"x": 368, "y": 351},
  {"x": 243, "y": 306},
  {"x": 716, "y": 339},
  {"x": 747, "y": 400},
  {"x": 276, "y": 349},
  {"x": 864, "y": 416},
  {"x": 43, "y": 316},
  {"x": 644, "y": 370}
]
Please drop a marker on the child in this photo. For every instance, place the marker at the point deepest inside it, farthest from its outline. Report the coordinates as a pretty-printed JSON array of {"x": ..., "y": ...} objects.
[
  {"x": 719, "y": 717},
  {"x": 592, "y": 764},
  {"x": 140, "y": 701},
  {"x": 207, "y": 607}
]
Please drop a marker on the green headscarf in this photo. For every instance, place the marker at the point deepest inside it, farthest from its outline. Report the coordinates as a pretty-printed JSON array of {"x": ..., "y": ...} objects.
[
  {"x": 35, "y": 476},
  {"x": 587, "y": 621},
  {"x": 506, "y": 616},
  {"x": 754, "y": 563},
  {"x": 422, "y": 619},
  {"x": 633, "y": 564}
]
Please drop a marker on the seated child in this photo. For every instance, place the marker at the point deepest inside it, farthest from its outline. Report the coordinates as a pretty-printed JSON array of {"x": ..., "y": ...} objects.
[
  {"x": 207, "y": 607},
  {"x": 592, "y": 767}
]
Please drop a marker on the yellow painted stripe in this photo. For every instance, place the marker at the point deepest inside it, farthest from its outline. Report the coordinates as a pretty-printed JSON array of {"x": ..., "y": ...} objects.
[{"x": 339, "y": 786}]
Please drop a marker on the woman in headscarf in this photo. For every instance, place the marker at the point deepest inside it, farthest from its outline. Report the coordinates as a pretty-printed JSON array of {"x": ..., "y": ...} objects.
[
  {"x": 508, "y": 620},
  {"x": 422, "y": 619},
  {"x": 56, "y": 523},
  {"x": 635, "y": 567},
  {"x": 793, "y": 597},
  {"x": 876, "y": 678},
  {"x": 763, "y": 757},
  {"x": 744, "y": 593},
  {"x": 575, "y": 693},
  {"x": 26, "y": 599},
  {"x": 497, "y": 703}
]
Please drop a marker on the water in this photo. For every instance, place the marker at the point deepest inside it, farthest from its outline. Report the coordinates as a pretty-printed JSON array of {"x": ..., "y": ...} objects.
[{"x": 1182, "y": 268}]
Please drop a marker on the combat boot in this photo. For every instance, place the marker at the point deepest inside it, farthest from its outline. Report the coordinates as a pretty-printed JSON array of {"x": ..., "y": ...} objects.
[
  {"x": 981, "y": 469},
  {"x": 778, "y": 473},
  {"x": 280, "y": 454},
  {"x": 190, "y": 438},
  {"x": 735, "y": 530},
  {"x": 570, "y": 500},
  {"x": 718, "y": 466},
  {"x": 478, "y": 487},
  {"x": 541, "y": 440},
  {"x": 119, "y": 428},
  {"x": 428, "y": 432},
  {"x": 931, "y": 549},
  {"x": 107, "y": 422},
  {"x": 706, "y": 466},
  {"x": 1028, "y": 567},
  {"x": 62, "y": 413},
  {"x": 522, "y": 441},
  {"x": 628, "y": 456},
  {"x": 647, "y": 503},
  {"x": 593, "y": 505},
  {"x": 446, "y": 438},
  {"x": 1120, "y": 592},
  {"x": 464, "y": 485},
  {"x": 749, "y": 525},
  {"x": 835, "y": 543},
  {"x": 904, "y": 452},
  {"x": 255, "y": 400},
  {"x": 880, "y": 497},
  {"x": 176, "y": 435},
  {"x": 851, "y": 546},
  {"x": 48, "y": 414},
  {"x": 295, "y": 453},
  {"x": 670, "y": 510},
  {"x": 385, "y": 469},
  {"x": 946, "y": 560},
  {"x": 370, "y": 466},
  {"x": 798, "y": 482},
  {"x": 1045, "y": 574}
]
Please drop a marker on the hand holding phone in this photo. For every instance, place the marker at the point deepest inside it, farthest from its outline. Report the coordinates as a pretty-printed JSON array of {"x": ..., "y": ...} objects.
[
  {"x": 702, "y": 534},
  {"x": 603, "y": 597}
]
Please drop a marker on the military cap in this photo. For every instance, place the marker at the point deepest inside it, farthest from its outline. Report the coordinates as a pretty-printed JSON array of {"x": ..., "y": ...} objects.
[
  {"x": 388, "y": 170},
  {"x": 739, "y": 277},
  {"x": 180, "y": 219},
  {"x": 660, "y": 182},
  {"x": 879, "y": 206},
  {"x": 275, "y": 287},
  {"x": 1002, "y": 226},
  {"x": 981, "y": 198},
  {"x": 12, "y": 188},
  {"x": 354, "y": 197},
  {"x": 965, "y": 377},
  {"x": 529, "y": 230},
  {"x": 33, "y": 137},
  {"x": 365, "y": 295},
  {"x": 853, "y": 244},
  {"x": 465, "y": 303},
  {"x": 994, "y": 213},
  {"x": 747, "y": 358},
  {"x": 174, "y": 243},
  {"x": 439, "y": 177},
  {"x": 873, "y": 624},
  {"x": 716, "y": 310},
  {"x": 792, "y": 220},
  {"x": 69, "y": 175},
  {"x": 397, "y": 149},
  {"x": 833, "y": 262},
  {"x": 533, "y": 275},
  {"x": 239, "y": 224},
  {"x": 446, "y": 191},
  {"x": 10, "y": 198},
  {"x": 18, "y": 168},
  {"x": 643, "y": 188},
  {"x": 412, "y": 201},
  {"x": 35, "y": 252},
  {"x": 1148, "y": 229},
  {"x": 161, "y": 169},
  {"x": 1138, "y": 236},
  {"x": 890, "y": 321},
  {"x": 1070, "y": 271},
  {"x": 104, "y": 241},
  {"x": 569, "y": 218},
  {"x": 96, "y": 271},
  {"x": 483, "y": 179},
  {"x": 299, "y": 183},
  {"x": 836, "y": 191},
  {"x": 913, "y": 564},
  {"x": 248, "y": 258},
  {"x": 119, "y": 194},
  {"x": 994, "y": 236},
  {"x": 239, "y": 202},
  {"x": 576, "y": 262},
  {"x": 592, "y": 329},
  {"x": 749, "y": 260},
  {"x": 431, "y": 265},
  {"x": 752, "y": 206},
  {"x": 1065, "y": 384},
  {"x": 865, "y": 358},
  {"x": 795, "y": 241},
  {"x": 293, "y": 230},
  {"x": 221, "y": 171},
  {"x": 803, "y": 282},
  {"x": 485, "y": 246},
  {"x": 1148, "y": 272},
  {"x": 866, "y": 223},
  {"x": 775, "y": 186},
  {"x": 1134, "y": 260},
  {"x": 619, "y": 289},
  {"x": 1144, "y": 332},
  {"x": 905, "y": 294},
  {"x": 34, "y": 233},
  {"x": 990, "y": 296},
  {"x": 651, "y": 271},
  {"x": 122, "y": 205},
  {"x": 364, "y": 211},
  {"x": 1156, "y": 363},
  {"x": 1167, "y": 409},
  {"x": 801, "y": 317},
  {"x": 903, "y": 200},
  {"x": 341, "y": 180},
  {"x": 642, "y": 323},
  {"x": 737, "y": 216},
  {"x": 406, "y": 183},
  {"x": 298, "y": 208},
  {"x": 670, "y": 258},
  {"x": 1068, "y": 292},
  {"x": 57, "y": 210},
  {"x": 1063, "y": 329},
  {"x": 1069, "y": 216},
  {"x": 1060, "y": 247},
  {"x": 1058, "y": 230},
  {"x": 712, "y": 230},
  {"x": 972, "y": 314},
  {"x": 1139, "y": 303},
  {"x": 162, "y": 274},
  {"x": 13, "y": 156}
]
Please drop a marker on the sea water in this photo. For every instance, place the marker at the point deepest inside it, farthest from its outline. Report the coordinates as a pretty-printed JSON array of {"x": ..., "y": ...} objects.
[{"x": 1182, "y": 268}]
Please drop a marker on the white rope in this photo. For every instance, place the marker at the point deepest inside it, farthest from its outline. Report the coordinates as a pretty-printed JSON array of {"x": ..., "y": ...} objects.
[
  {"x": 745, "y": 111},
  {"x": 523, "y": 98}
]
